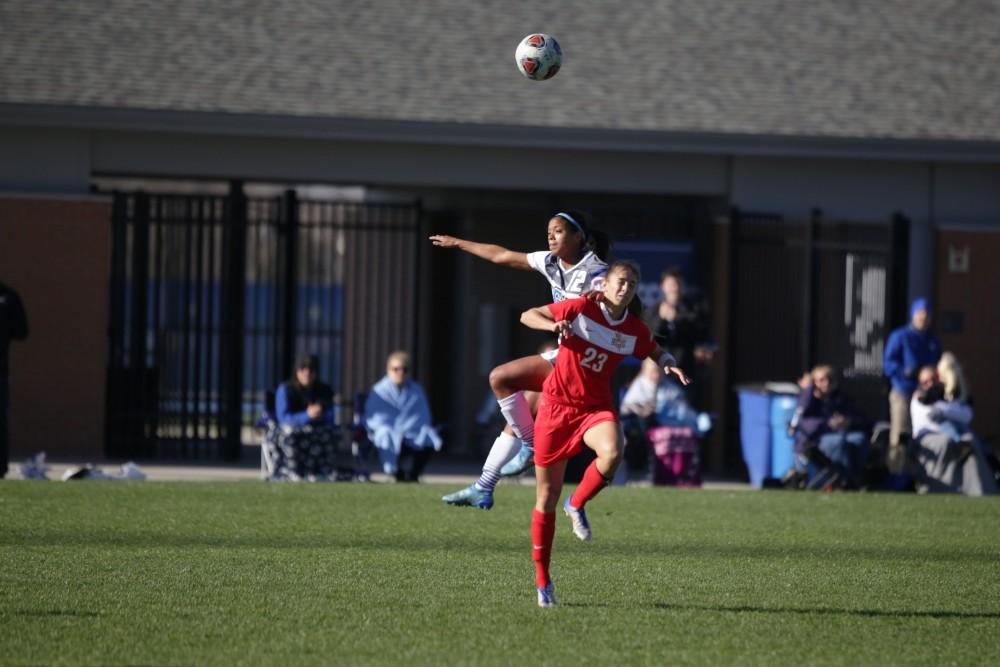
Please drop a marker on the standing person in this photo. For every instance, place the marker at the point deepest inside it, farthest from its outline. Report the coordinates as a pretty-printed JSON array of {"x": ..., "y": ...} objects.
[
  {"x": 13, "y": 326},
  {"x": 908, "y": 349},
  {"x": 398, "y": 420},
  {"x": 575, "y": 262},
  {"x": 679, "y": 327},
  {"x": 576, "y": 406}
]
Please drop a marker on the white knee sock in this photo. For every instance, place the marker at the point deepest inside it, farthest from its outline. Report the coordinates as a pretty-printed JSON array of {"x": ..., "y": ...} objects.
[
  {"x": 504, "y": 448},
  {"x": 517, "y": 412}
]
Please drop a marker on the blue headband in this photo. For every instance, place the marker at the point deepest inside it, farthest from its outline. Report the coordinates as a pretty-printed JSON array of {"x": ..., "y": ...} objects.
[{"x": 567, "y": 217}]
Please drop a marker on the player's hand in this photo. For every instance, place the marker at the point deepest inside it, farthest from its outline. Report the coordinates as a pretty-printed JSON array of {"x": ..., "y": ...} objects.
[
  {"x": 592, "y": 295},
  {"x": 563, "y": 329},
  {"x": 445, "y": 241},
  {"x": 681, "y": 375}
]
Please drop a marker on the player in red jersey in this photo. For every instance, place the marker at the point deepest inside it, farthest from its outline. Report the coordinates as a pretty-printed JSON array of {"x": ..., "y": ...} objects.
[{"x": 576, "y": 407}]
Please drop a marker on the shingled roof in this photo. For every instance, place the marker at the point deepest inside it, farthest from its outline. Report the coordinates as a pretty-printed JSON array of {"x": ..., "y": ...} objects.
[{"x": 888, "y": 69}]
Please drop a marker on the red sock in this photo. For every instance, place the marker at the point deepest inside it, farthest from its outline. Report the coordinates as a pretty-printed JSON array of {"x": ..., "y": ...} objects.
[
  {"x": 591, "y": 484},
  {"x": 543, "y": 528}
]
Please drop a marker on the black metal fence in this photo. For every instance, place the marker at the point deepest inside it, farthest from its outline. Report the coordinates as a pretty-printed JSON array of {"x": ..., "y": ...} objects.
[
  {"x": 815, "y": 291},
  {"x": 212, "y": 297}
]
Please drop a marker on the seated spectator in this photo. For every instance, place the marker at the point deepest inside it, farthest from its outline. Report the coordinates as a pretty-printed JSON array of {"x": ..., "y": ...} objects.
[
  {"x": 398, "y": 420},
  {"x": 304, "y": 400},
  {"x": 830, "y": 432},
  {"x": 947, "y": 456},
  {"x": 937, "y": 409},
  {"x": 301, "y": 444},
  {"x": 652, "y": 400},
  {"x": 640, "y": 397}
]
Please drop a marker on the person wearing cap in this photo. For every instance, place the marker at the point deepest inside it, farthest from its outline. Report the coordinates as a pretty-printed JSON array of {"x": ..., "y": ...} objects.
[
  {"x": 908, "y": 349},
  {"x": 304, "y": 400}
]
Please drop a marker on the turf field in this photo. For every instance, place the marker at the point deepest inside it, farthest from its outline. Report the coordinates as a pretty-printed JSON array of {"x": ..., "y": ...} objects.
[{"x": 246, "y": 572}]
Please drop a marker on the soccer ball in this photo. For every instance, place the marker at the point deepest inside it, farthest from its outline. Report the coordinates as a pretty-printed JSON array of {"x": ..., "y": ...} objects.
[{"x": 538, "y": 56}]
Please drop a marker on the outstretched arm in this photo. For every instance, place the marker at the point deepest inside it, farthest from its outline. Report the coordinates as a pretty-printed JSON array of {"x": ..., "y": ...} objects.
[
  {"x": 491, "y": 253},
  {"x": 541, "y": 318},
  {"x": 666, "y": 361}
]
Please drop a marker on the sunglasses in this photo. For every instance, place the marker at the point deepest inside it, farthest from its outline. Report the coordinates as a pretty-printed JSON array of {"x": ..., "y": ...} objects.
[{"x": 399, "y": 368}]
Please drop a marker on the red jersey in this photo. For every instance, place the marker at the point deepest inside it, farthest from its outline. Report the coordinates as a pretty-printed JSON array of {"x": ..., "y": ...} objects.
[{"x": 582, "y": 375}]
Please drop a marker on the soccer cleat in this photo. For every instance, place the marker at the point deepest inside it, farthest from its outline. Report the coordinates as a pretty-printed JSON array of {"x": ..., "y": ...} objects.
[
  {"x": 470, "y": 496},
  {"x": 581, "y": 527},
  {"x": 524, "y": 459},
  {"x": 547, "y": 595}
]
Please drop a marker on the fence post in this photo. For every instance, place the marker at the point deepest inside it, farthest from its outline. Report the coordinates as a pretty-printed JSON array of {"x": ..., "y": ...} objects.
[
  {"x": 115, "y": 431},
  {"x": 809, "y": 291},
  {"x": 899, "y": 263},
  {"x": 289, "y": 232},
  {"x": 233, "y": 325}
]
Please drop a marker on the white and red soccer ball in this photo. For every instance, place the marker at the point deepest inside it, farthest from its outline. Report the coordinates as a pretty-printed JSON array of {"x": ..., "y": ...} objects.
[{"x": 538, "y": 56}]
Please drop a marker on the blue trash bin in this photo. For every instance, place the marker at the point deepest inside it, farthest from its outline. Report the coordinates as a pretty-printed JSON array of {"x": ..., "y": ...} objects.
[
  {"x": 765, "y": 410},
  {"x": 782, "y": 444},
  {"x": 755, "y": 431}
]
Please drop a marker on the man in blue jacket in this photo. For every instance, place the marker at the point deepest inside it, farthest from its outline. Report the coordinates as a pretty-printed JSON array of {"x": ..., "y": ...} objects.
[{"x": 908, "y": 349}]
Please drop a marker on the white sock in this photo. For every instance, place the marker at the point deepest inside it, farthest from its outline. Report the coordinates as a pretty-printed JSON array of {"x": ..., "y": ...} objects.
[
  {"x": 504, "y": 448},
  {"x": 517, "y": 412}
]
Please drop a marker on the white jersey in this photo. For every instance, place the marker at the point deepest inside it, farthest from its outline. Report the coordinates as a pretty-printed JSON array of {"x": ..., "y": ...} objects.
[{"x": 569, "y": 283}]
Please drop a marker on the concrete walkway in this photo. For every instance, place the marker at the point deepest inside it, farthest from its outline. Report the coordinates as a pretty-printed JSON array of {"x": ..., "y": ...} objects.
[{"x": 452, "y": 473}]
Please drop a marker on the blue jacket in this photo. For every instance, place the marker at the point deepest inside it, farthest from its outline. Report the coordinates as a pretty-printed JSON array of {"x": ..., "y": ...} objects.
[
  {"x": 292, "y": 400},
  {"x": 905, "y": 353},
  {"x": 815, "y": 415}
]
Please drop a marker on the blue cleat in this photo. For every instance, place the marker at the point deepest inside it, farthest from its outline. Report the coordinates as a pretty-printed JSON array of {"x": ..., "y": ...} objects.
[
  {"x": 581, "y": 527},
  {"x": 524, "y": 459},
  {"x": 470, "y": 496},
  {"x": 547, "y": 596}
]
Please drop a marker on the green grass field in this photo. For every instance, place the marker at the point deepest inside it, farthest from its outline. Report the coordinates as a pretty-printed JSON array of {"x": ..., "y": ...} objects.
[{"x": 252, "y": 573}]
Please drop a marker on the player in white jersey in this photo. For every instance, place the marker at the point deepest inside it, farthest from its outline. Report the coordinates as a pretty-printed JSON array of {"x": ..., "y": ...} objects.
[{"x": 575, "y": 262}]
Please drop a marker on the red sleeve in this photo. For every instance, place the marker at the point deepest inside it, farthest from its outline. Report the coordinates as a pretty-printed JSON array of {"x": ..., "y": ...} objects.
[{"x": 567, "y": 310}]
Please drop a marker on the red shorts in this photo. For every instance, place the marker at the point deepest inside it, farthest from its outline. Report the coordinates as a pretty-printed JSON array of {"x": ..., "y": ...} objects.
[{"x": 559, "y": 430}]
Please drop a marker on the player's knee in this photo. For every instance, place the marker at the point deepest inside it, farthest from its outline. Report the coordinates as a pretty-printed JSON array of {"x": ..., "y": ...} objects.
[
  {"x": 610, "y": 453},
  {"x": 499, "y": 379}
]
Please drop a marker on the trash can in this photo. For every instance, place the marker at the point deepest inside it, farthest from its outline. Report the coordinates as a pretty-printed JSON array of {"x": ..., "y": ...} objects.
[
  {"x": 782, "y": 443},
  {"x": 763, "y": 428}
]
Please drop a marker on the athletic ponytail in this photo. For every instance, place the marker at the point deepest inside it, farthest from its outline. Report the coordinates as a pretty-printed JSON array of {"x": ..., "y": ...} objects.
[{"x": 600, "y": 243}]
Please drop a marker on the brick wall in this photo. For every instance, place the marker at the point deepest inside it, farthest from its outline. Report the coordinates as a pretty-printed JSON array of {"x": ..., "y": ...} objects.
[{"x": 55, "y": 253}]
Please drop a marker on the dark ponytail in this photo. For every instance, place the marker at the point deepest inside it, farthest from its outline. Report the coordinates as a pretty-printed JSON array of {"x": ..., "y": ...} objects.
[
  {"x": 593, "y": 239},
  {"x": 600, "y": 243}
]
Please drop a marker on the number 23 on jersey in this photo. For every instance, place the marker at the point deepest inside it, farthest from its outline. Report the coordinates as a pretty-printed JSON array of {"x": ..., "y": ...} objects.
[{"x": 593, "y": 359}]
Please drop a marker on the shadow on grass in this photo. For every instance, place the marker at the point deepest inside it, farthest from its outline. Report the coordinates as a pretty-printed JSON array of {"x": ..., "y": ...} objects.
[
  {"x": 48, "y": 613},
  {"x": 865, "y": 613}
]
